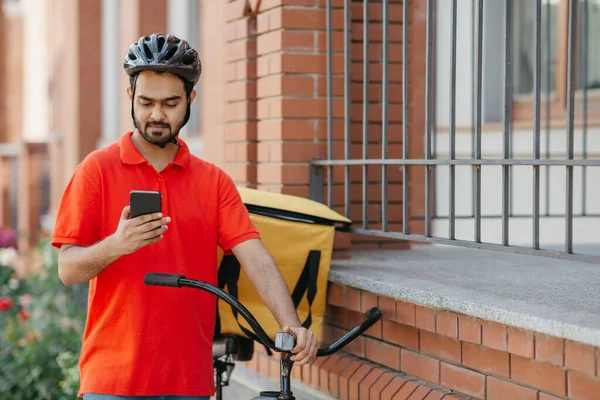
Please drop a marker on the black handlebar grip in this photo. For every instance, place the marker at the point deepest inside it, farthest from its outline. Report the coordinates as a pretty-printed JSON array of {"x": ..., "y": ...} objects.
[{"x": 163, "y": 279}]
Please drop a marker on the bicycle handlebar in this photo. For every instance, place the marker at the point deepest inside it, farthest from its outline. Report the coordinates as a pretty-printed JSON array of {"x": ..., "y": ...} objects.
[{"x": 178, "y": 281}]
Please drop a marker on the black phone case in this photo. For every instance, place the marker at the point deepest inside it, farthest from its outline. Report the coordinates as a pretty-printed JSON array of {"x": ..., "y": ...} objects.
[{"x": 143, "y": 202}]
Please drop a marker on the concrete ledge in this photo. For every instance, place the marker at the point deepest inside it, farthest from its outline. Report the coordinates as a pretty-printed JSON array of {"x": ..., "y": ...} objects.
[{"x": 555, "y": 297}]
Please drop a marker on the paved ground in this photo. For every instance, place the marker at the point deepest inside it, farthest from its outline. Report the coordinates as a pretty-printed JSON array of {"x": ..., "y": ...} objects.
[
  {"x": 247, "y": 384},
  {"x": 237, "y": 391},
  {"x": 553, "y": 296}
]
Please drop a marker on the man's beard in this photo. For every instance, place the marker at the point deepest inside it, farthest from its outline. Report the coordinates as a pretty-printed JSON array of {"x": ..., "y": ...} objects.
[{"x": 160, "y": 141}]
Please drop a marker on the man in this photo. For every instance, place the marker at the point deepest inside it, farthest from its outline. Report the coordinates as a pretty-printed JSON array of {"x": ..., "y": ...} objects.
[{"x": 143, "y": 340}]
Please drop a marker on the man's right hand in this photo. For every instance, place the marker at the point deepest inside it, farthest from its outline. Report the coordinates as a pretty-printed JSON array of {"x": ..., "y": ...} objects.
[
  {"x": 133, "y": 234},
  {"x": 77, "y": 264}
]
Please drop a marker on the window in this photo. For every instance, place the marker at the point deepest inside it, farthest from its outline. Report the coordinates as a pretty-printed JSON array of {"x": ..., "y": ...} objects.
[
  {"x": 524, "y": 48},
  {"x": 592, "y": 47},
  {"x": 555, "y": 20}
]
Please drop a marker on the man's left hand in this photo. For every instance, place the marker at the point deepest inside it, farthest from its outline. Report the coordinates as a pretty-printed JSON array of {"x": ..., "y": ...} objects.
[{"x": 306, "y": 345}]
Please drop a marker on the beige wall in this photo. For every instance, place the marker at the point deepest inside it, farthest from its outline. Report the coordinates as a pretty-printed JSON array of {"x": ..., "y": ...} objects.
[{"x": 35, "y": 71}]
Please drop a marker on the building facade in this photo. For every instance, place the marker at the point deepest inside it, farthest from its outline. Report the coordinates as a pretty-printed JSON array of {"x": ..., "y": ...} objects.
[{"x": 283, "y": 101}]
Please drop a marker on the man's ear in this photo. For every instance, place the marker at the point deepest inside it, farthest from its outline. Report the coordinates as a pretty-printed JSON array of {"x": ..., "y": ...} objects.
[
  {"x": 192, "y": 96},
  {"x": 129, "y": 93}
]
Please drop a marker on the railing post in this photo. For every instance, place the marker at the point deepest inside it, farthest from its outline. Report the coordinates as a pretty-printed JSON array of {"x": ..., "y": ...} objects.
[{"x": 316, "y": 183}]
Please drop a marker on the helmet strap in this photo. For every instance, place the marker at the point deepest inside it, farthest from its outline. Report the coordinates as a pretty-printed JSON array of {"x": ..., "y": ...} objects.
[{"x": 133, "y": 97}]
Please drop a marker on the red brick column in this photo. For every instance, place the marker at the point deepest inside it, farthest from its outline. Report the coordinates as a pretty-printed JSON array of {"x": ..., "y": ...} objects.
[
  {"x": 291, "y": 92},
  {"x": 290, "y": 87},
  {"x": 89, "y": 77},
  {"x": 292, "y": 103},
  {"x": 5, "y": 169},
  {"x": 240, "y": 110},
  {"x": 74, "y": 87},
  {"x": 75, "y": 84}
]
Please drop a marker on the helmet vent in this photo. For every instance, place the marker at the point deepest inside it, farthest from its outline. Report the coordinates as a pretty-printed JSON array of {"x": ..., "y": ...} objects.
[
  {"x": 132, "y": 56},
  {"x": 187, "y": 59},
  {"x": 148, "y": 52},
  {"x": 170, "y": 53},
  {"x": 161, "y": 42}
]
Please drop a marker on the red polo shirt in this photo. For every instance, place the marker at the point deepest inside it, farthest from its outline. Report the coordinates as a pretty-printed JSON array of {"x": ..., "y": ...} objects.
[{"x": 145, "y": 340}]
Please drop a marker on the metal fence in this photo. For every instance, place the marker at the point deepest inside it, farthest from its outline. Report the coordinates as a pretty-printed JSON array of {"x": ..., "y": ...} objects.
[{"x": 577, "y": 27}]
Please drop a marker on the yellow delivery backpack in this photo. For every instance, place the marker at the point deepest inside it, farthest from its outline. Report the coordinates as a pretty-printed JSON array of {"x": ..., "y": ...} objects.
[{"x": 299, "y": 234}]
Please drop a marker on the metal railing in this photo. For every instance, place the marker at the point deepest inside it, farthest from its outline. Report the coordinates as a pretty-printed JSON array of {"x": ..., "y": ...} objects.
[{"x": 322, "y": 189}]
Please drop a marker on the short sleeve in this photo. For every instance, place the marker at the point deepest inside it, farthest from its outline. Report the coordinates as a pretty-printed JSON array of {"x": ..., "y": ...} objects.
[
  {"x": 235, "y": 225},
  {"x": 78, "y": 218}
]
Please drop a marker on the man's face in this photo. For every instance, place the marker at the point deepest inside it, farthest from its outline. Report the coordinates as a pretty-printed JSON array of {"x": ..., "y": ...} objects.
[{"x": 159, "y": 106}]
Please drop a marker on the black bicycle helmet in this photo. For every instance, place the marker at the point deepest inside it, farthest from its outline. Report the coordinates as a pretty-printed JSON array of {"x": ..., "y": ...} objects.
[
  {"x": 167, "y": 53},
  {"x": 164, "y": 52}
]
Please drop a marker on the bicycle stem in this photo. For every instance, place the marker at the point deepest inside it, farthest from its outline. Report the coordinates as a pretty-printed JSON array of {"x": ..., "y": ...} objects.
[{"x": 285, "y": 378}]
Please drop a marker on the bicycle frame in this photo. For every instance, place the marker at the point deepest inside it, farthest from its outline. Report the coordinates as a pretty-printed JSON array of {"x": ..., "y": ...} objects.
[{"x": 284, "y": 342}]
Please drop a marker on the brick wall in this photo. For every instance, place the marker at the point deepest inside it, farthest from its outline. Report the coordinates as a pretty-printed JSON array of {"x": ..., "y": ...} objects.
[
  {"x": 277, "y": 105},
  {"x": 422, "y": 349}
]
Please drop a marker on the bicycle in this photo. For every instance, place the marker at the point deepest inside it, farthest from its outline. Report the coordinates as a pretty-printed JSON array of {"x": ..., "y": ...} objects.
[{"x": 284, "y": 342}]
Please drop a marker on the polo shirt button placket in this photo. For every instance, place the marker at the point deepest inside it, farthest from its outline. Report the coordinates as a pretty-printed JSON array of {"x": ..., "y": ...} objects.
[{"x": 162, "y": 189}]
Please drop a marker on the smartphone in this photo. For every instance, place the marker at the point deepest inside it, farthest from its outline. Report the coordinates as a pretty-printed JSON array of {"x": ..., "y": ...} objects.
[{"x": 143, "y": 202}]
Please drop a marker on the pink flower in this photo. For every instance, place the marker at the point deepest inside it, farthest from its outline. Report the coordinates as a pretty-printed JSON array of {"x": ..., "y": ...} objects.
[
  {"x": 8, "y": 238},
  {"x": 25, "y": 300}
]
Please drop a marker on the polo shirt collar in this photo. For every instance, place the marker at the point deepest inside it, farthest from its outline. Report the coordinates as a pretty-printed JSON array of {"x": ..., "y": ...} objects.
[{"x": 131, "y": 155}]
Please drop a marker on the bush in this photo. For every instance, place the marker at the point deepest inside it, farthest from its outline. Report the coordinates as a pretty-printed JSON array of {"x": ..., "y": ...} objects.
[{"x": 41, "y": 326}]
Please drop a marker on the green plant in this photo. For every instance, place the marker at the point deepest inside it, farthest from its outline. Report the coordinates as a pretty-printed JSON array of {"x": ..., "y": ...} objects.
[{"x": 41, "y": 327}]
